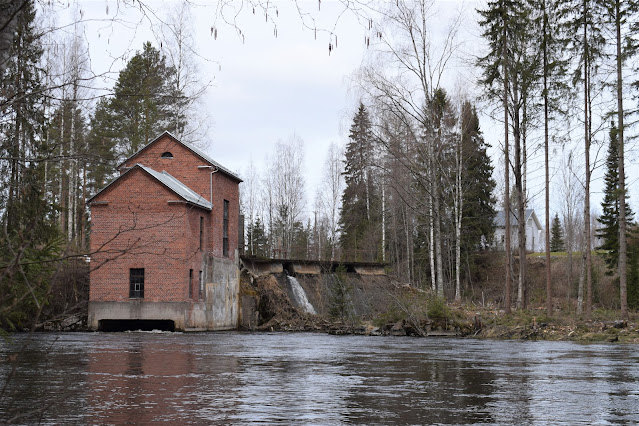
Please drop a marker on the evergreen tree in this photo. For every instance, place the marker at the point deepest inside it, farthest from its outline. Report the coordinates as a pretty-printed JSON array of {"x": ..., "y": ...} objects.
[
  {"x": 478, "y": 215},
  {"x": 102, "y": 153},
  {"x": 609, "y": 219},
  {"x": 556, "y": 235},
  {"x": 21, "y": 123},
  {"x": 504, "y": 27},
  {"x": 29, "y": 241},
  {"x": 584, "y": 28},
  {"x": 340, "y": 304},
  {"x": 359, "y": 215},
  {"x": 257, "y": 239},
  {"x": 141, "y": 106}
]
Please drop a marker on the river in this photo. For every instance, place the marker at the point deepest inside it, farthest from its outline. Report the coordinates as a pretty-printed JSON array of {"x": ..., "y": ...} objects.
[{"x": 302, "y": 378}]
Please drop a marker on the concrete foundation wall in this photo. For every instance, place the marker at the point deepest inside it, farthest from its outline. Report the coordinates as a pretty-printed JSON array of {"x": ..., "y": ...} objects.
[{"x": 219, "y": 310}]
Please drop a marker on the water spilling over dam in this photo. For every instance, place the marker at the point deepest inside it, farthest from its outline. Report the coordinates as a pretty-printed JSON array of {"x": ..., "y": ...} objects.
[
  {"x": 299, "y": 295},
  {"x": 275, "y": 292}
]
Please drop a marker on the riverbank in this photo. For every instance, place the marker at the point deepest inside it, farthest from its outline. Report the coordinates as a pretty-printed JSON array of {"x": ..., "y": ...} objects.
[
  {"x": 411, "y": 312},
  {"x": 483, "y": 324}
]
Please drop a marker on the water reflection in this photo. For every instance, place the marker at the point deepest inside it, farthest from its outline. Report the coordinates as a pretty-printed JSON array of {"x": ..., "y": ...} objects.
[{"x": 222, "y": 378}]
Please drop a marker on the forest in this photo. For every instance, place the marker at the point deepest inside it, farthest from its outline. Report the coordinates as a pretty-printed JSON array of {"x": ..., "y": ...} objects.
[{"x": 414, "y": 185}]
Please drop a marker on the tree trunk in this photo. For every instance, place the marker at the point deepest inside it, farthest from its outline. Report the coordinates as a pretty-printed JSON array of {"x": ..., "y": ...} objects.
[
  {"x": 459, "y": 199},
  {"x": 508, "y": 296},
  {"x": 383, "y": 222},
  {"x": 546, "y": 166},
  {"x": 521, "y": 213},
  {"x": 587, "y": 118},
  {"x": 622, "y": 177}
]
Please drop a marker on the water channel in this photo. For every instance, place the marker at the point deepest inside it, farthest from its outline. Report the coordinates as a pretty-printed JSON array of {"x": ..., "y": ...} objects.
[{"x": 298, "y": 378}]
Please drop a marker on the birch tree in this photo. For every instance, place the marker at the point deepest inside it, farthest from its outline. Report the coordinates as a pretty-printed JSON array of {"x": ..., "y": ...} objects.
[
  {"x": 330, "y": 195},
  {"x": 404, "y": 71},
  {"x": 285, "y": 191}
]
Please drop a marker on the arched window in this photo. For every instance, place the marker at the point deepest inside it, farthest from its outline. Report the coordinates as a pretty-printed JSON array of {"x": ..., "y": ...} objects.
[{"x": 166, "y": 154}]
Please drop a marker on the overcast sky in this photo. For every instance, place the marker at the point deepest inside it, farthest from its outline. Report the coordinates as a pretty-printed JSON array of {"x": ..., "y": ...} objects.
[{"x": 266, "y": 88}]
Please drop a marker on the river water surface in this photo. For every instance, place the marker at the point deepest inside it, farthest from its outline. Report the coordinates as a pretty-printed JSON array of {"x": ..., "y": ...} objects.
[{"x": 298, "y": 378}]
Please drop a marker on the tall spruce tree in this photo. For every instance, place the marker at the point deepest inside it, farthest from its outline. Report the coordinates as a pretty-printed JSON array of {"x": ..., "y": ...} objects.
[
  {"x": 556, "y": 235},
  {"x": 29, "y": 241},
  {"x": 359, "y": 214},
  {"x": 478, "y": 210},
  {"x": 609, "y": 219},
  {"x": 21, "y": 124},
  {"x": 626, "y": 45}
]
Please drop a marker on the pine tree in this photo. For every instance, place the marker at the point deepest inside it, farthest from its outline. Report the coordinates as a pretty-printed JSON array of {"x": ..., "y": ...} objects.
[
  {"x": 141, "y": 106},
  {"x": 556, "y": 235},
  {"x": 358, "y": 216},
  {"x": 584, "y": 28},
  {"x": 626, "y": 46},
  {"x": 609, "y": 219},
  {"x": 504, "y": 76}
]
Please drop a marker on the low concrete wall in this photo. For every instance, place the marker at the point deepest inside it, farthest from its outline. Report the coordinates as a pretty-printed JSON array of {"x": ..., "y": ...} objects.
[
  {"x": 138, "y": 309},
  {"x": 301, "y": 268},
  {"x": 259, "y": 266}
]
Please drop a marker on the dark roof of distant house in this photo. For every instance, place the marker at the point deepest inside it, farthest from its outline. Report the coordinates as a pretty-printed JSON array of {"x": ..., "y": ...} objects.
[
  {"x": 190, "y": 147},
  {"x": 174, "y": 185},
  {"x": 500, "y": 218}
]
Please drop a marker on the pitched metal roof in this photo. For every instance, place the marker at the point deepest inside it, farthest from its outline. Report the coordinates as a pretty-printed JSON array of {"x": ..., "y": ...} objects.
[
  {"x": 190, "y": 147},
  {"x": 180, "y": 189},
  {"x": 500, "y": 218}
]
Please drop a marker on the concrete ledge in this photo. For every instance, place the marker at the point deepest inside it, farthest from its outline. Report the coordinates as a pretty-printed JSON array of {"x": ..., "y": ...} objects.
[
  {"x": 301, "y": 268},
  {"x": 186, "y": 316}
]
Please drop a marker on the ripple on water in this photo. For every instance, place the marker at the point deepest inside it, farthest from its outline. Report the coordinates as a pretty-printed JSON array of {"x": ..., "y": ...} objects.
[{"x": 205, "y": 378}]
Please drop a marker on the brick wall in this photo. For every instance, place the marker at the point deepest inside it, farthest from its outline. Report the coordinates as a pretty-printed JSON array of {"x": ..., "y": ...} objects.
[
  {"x": 184, "y": 167},
  {"x": 224, "y": 189},
  {"x": 138, "y": 228}
]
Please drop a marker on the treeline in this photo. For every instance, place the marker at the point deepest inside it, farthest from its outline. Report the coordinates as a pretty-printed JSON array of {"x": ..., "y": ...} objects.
[
  {"x": 413, "y": 187},
  {"x": 555, "y": 74},
  {"x": 377, "y": 202},
  {"x": 565, "y": 67}
]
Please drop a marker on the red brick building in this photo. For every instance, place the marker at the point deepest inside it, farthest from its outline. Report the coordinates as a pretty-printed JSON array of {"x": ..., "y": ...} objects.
[{"x": 164, "y": 240}]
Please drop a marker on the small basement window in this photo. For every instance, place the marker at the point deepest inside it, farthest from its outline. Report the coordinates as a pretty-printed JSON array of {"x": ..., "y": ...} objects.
[
  {"x": 136, "y": 283},
  {"x": 166, "y": 154}
]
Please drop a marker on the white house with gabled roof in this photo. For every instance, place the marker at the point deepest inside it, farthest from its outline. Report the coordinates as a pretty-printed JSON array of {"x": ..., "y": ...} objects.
[{"x": 534, "y": 231}]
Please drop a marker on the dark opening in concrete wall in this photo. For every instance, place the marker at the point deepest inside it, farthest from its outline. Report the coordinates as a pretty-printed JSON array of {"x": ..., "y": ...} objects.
[
  {"x": 133, "y": 324},
  {"x": 288, "y": 268},
  {"x": 349, "y": 267}
]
